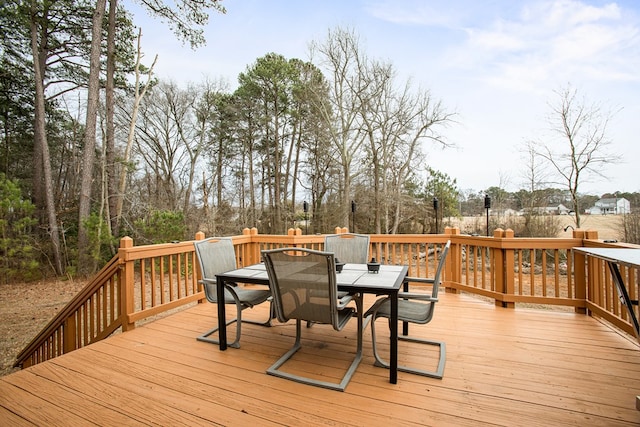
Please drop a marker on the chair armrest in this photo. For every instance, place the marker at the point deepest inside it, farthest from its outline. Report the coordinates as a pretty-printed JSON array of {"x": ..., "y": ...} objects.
[
  {"x": 213, "y": 282},
  {"x": 342, "y": 302},
  {"x": 416, "y": 296},
  {"x": 228, "y": 286},
  {"x": 426, "y": 280}
]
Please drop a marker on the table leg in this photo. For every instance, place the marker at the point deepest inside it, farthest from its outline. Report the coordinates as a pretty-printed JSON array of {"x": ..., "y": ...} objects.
[
  {"x": 222, "y": 315},
  {"x": 624, "y": 296},
  {"x": 405, "y": 325},
  {"x": 393, "y": 362}
]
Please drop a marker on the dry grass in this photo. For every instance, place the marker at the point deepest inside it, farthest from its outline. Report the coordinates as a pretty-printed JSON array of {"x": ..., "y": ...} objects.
[
  {"x": 608, "y": 226},
  {"x": 25, "y": 309}
]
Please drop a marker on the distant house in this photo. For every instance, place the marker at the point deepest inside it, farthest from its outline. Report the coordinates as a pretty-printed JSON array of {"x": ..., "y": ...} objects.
[
  {"x": 610, "y": 206},
  {"x": 547, "y": 210},
  {"x": 562, "y": 210}
]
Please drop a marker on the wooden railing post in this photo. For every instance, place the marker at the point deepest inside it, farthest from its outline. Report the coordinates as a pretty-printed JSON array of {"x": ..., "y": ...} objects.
[
  {"x": 127, "y": 288},
  {"x": 508, "y": 258},
  {"x": 580, "y": 273},
  {"x": 294, "y": 232},
  {"x": 452, "y": 268},
  {"x": 594, "y": 286},
  {"x": 69, "y": 338},
  {"x": 252, "y": 252}
]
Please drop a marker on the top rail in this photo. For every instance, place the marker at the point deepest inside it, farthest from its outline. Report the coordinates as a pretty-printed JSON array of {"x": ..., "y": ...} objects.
[{"x": 145, "y": 281}]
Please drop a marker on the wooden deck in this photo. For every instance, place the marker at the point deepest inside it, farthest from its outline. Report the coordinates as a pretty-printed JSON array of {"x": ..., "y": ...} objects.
[{"x": 504, "y": 367}]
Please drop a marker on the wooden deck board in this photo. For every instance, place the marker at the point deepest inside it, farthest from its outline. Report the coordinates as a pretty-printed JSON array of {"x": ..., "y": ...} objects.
[{"x": 504, "y": 367}]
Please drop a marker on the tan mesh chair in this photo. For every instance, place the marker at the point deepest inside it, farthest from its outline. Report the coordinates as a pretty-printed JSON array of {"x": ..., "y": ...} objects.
[
  {"x": 216, "y": 255},
  {"x": 348, "y": 247},
  {"x": 413, "y": 307},
  {"x": 303, "y": 286}
]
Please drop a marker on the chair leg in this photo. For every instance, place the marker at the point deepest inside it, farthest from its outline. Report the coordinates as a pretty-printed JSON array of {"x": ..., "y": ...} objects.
[
  {"x": 240, "y": 321},
  {"x": 268, "y": 321},
  {"x": 275, "y": 368},
  {"x": 205, "y": 337},
  {"x": 438, "y": 373}
]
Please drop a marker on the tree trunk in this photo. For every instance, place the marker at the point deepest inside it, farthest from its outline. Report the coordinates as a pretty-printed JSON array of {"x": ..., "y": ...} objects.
[
  {"x": 122, "y": 182},
  {"x": 41, "y": 146},
  {"x": 346, "y": 203},
  {"x": 112, "y": 183},
  {"x": 88, "y": 158}
]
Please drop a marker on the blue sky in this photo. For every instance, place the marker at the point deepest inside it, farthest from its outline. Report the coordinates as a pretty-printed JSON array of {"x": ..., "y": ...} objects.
[{"x": 496, "y": 63}]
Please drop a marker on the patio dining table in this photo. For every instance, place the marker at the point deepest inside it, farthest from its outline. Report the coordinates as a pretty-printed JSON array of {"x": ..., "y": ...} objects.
[
  {"x": 615, "y": 257},
  {"x": 353, "y": 278}
]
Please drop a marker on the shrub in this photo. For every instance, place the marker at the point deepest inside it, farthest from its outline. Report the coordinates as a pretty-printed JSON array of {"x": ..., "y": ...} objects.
[
  {"x": 19, "y": 258},
  {"x": 161, "y": 226},
  {"x": 630, "y": 228}
]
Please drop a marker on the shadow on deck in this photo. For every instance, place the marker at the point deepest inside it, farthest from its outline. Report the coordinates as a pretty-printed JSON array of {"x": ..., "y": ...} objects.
[{"x": 504, "y": 367}]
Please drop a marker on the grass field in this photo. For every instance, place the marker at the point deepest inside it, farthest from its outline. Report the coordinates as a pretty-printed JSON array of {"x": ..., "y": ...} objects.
[{"x": 607, "y": 226}]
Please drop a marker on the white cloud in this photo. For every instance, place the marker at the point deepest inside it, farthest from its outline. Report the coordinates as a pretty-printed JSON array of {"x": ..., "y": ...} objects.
[
  {"x": 416, "y": 12},
  {"x": 558, "y": 40},
  {"x": 560, "y": 13}
]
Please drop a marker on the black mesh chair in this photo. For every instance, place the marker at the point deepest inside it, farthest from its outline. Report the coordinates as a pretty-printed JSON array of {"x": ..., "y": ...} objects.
[
  {"x": 303, "y": 286},
  {"x": 413, "y": 307},
  {"x": 216, "y": 255}
]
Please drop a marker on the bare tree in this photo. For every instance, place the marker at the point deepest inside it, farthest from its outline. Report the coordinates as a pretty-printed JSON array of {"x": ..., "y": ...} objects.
[
  {"x": 342, "y": 57},
  {"x": 186, "y": 19},
  {"x": 535, "y": 176},
  {"x": 165, "y": 118},
  {"x": 139, "y": 91},
  {"x": 366, "y": 105},
  {"x": 581, "y": 148},
  {"x": 397, "y": 122},
  {"x": 535, "y": 195}
]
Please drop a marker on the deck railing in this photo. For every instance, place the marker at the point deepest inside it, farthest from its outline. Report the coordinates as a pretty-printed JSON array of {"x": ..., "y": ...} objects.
[{"x": 144, "y": 281}]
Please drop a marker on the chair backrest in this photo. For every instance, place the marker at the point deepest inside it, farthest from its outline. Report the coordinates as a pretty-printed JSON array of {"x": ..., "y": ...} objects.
[
  {"x": 215, "y": 255},
  {"x": 438, "y": 277},
  {"x": 348, "y": 247},
  {"x": 303, "y": 284}
]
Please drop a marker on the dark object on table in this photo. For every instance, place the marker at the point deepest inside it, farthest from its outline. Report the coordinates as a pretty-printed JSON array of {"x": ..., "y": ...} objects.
[
  {"x": 373, "y": 266},
  {"x": 339, "y": 266}
]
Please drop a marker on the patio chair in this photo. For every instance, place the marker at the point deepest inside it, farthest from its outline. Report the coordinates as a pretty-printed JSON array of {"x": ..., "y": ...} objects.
[
  {"x": 348, "y": 247},
  {"x": 303, "y": 286},
  {"x": 413, "y": 307},
  {"x": 216, "y": 255}
]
